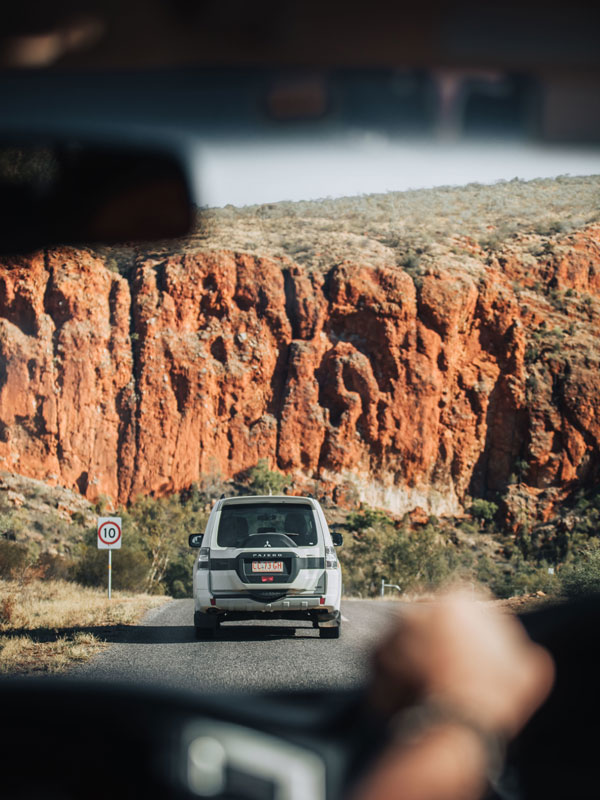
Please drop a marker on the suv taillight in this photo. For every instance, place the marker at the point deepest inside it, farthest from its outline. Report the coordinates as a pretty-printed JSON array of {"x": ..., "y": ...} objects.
[
  {"x": 203, "y": 557},
  {"x": 330, "y": 558}
]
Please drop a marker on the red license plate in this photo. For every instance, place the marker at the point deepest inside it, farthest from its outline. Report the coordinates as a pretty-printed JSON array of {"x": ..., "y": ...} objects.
[{"x": 267, "y": 566}]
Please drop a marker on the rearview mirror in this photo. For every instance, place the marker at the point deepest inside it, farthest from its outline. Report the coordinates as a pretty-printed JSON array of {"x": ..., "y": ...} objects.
[
  {"x": 74, "y": 193},
  {"x": 195, "y": 540},
  {"x": 337, "y": 539}
]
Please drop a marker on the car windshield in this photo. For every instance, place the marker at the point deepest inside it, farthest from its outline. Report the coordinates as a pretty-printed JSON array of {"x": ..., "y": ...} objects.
[
  {"x": 239, "y": 524},
  {"x": 387, "y": 299}
]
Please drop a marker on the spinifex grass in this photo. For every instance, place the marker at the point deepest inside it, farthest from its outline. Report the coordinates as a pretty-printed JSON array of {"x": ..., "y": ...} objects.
[{"x": 48, "y": 626}]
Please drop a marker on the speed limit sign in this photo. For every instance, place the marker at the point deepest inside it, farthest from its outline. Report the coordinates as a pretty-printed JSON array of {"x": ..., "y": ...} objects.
[{"x": 109, "y": 533}]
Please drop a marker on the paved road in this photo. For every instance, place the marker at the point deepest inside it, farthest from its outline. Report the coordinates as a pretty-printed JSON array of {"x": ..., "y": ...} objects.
[{"x": 163, "y": 650}]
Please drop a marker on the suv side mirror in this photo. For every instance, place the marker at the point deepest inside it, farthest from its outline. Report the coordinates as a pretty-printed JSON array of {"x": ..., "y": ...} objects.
[
  {"x": 337, "y": 539},
  {"x": 195, "y": 539}
]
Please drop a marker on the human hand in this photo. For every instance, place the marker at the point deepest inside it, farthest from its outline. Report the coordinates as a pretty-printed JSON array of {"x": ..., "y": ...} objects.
[
  {"x": 474, "y": 666},
  {"x": 466, "y": 655}
]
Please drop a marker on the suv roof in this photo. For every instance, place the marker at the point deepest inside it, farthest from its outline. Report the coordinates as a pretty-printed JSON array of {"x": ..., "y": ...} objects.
[{"x": 267, "y": 498}]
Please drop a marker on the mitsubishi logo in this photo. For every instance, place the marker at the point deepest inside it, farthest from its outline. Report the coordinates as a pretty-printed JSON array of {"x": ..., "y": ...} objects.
[{"x": 267, "y": 543}]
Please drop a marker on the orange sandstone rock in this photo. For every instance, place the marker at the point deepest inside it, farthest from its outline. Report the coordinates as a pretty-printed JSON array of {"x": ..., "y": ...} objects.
[{"x": 416, "y": 393}]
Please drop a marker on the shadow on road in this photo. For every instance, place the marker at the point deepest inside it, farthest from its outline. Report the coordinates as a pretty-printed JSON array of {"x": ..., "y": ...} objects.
[
  {"x": 256, "y": 633},
  {"x": 113, "y": 634},
  {"x": 163, "y": 634}
]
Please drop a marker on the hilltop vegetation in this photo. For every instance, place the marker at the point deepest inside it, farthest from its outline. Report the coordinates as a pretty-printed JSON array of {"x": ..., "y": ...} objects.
[
  {"x": 403, "y": 227},
  {"x": 406, "y": 228}
]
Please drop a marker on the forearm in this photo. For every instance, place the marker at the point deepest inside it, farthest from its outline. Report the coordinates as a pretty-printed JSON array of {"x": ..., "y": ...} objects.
[
  {"x": 452, "y": 682},
  {"x": 448, "y": 762}
]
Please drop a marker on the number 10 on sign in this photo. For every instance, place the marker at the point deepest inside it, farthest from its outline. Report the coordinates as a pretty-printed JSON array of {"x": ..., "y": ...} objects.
[{"x": 109, "y": 538}]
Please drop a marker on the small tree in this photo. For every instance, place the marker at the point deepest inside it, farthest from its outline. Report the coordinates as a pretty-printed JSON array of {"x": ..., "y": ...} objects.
[
  {"x": 521, "y": 466},
  {"x": 159, "y": 526},
  {"x": 366, "y": 518},
  {"x": 263, "y": 480},
  {"x": 484, "y": 511}
]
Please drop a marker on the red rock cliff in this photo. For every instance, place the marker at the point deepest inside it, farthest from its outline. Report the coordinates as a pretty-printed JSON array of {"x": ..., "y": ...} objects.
[{"x": 420, "y": 390}]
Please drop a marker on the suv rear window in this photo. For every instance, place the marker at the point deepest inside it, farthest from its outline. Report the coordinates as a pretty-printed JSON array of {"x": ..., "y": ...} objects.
[{"x": 247, "y": 525}]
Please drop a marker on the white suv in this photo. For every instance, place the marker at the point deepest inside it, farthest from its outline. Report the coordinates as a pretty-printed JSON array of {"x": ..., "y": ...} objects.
[{"x": 267, "y": 558}]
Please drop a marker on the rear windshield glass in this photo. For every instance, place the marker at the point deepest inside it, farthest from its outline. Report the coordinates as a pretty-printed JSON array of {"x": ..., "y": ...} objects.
[{"x": 246, "y": 525}]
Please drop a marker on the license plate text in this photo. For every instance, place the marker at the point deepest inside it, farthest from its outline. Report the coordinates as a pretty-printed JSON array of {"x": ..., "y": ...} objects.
[{"x": 267, "y": 566}]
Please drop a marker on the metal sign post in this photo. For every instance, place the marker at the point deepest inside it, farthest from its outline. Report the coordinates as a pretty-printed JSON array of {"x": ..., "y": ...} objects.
[
  {"x": 385, "y": 586},
  {"x": 109, "y": 538}
]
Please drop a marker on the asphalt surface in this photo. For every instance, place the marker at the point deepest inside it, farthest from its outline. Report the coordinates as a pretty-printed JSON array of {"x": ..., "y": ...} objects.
[{"x": 164, "y": 651}]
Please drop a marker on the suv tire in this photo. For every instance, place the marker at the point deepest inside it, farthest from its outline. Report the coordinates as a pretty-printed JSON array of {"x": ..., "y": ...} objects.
[
  {"x": 206, "y": 625},
  {"x": 330, "y": 633}
]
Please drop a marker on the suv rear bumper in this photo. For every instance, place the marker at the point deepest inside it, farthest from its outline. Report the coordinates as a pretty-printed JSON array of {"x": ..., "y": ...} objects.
[
  {"x": 285, "y": 605},
  {"x": 255, "y": 601},
  {"x": 326, "y": 617}
]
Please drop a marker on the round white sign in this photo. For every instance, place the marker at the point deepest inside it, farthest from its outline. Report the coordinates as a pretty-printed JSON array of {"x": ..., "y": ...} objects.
[{"x": 109, "y": 533}]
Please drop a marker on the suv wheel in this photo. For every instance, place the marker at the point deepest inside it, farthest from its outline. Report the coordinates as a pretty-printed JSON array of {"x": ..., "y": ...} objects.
[
  {"x": 206, "y": 625},
  {"x": 330, "y": 633}
]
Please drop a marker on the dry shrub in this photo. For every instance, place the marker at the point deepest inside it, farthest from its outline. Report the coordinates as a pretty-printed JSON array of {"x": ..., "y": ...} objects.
[
  {"x": 131, "y": 569},
  {"x": 62, "y": 604},
  {"x": 13, "y": 559},
  {"x": 53, "y": 567},
  {"x": 379, "y": 227},
  {"x": 60, "y": 614},
  {"x": 22, "y": 654},
  {"x": 7, "y": 608}
]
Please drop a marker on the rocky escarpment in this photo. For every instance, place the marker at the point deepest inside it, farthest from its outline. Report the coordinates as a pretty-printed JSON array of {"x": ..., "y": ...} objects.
[{"x": 418, "y": 387}]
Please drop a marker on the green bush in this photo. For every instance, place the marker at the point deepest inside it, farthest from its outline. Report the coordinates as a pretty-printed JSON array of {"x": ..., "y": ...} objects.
[
  {"x": 130, "y": 569},
  {"x": 366, "y": 518},
  {"x": 410, "y": 260},
  {"x": 547, "y": 543},
  {"x": 262, "y": 480},
  {"x": 102, "y": 505},
  {"x": 178, "y": 577},
  {"x": 13, "y": 558},
  {"x": 581, "y": 575},
  {"x": 52, "y": 567},
  {"x": 426, "y": 559},
  {"x": 532, "y": 384},
  {"x": 483, "y": 510},
  {"x": 416, "y": 561},
  {"x": 469, "y": 527},
  {"x": 11, "y": 524},
  {"x": 515, "y": 577},
  {"x": 155, "y": 556}
]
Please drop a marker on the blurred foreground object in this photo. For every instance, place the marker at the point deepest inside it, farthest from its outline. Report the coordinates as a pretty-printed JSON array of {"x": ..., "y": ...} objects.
[
  {"x": 78, "y": 193},
  {"x": 473, "y": 676}
]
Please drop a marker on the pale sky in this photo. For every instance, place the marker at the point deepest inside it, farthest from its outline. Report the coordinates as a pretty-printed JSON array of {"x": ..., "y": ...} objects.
[{"x": 266, "y": 173}]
